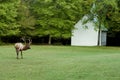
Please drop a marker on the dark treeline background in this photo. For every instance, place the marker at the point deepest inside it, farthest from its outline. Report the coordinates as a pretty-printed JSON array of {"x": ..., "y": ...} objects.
[
  {"x": 52, "y": 21},
  {"x": 37, "y": 40}
]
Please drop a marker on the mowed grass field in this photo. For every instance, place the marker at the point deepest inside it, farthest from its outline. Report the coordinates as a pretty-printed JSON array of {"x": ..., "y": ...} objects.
[{"x": 60, "y": 63}]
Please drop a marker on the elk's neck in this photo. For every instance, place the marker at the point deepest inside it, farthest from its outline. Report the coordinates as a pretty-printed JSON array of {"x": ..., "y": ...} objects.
[{"x": 26, "y": 47}]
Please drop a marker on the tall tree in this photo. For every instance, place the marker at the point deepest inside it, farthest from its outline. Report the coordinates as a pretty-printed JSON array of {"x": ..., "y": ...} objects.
[
  {"x": 56, "y": 18},
  {"x": 113, "y": 19},
  {"x": 8, "y": 14},
  {"x": 99, "y": 12},
  {"x": 25, "y": 20}
]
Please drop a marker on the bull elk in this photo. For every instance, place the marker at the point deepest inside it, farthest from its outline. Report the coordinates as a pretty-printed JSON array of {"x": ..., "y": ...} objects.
[{"x": 20, "y": 47}]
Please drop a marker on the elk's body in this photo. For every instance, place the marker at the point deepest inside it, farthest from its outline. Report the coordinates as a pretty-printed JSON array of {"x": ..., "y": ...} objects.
[{"x": 20, "y": 47}]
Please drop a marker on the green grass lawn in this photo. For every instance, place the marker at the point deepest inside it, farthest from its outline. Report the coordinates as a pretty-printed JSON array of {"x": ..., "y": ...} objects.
[{"x": 60, "y": 63}]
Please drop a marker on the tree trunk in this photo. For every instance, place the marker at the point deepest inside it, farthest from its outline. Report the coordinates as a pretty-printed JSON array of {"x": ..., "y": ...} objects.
[
  {"x": 99, "y": 35},
  {"x": 49, "y": 40}
]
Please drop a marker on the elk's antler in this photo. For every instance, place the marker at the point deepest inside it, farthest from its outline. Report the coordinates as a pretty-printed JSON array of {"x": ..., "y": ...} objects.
[{"x": 24, "y": 39}]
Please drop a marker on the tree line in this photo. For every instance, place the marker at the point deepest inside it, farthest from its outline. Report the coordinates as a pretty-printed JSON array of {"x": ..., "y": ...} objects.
[{"x": 54, "y": 19}]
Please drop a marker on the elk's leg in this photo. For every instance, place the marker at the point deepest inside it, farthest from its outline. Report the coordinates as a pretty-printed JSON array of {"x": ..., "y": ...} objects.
[
  {"x": 17, "y": 53},
  {"x": 21, "y": 55}
]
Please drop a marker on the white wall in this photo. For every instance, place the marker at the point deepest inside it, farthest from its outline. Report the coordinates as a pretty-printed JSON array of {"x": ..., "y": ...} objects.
[{"x": 84, "y": 37}]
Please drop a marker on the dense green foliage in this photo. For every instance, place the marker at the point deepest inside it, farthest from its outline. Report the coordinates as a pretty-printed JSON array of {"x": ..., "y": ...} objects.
[
  {"x": 25, "y": 20},
  {"x": 54, "y": 18},
  {"x": 57, "y": 18},
  {"x": 60, "y": 63},
  {"x": 114, "y": 21},
  {"x": 8, "y": 14}
]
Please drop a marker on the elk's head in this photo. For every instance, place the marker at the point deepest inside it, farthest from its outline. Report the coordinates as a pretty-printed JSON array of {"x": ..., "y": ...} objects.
[{"x": 28, "y": 44}]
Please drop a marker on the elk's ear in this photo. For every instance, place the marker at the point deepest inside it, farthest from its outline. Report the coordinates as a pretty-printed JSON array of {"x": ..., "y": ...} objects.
[{"x": 30, "y": 42}]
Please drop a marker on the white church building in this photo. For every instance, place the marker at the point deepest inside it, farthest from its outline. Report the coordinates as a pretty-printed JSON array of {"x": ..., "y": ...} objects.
[{"x": 82, "y": 36}]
